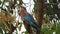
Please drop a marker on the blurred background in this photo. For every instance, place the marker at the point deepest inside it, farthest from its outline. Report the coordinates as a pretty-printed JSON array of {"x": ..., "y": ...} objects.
[{"x": 45, "y": 12}]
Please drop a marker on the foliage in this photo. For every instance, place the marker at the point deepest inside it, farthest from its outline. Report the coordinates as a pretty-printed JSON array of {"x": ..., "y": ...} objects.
[
  {"x": 7, "y": 20},
  {"x": 6, "y": 16},
  {"x": 20, "y": 26},
  {"x": 35, "y": 7},
  {"x": 46, "y": 30}
]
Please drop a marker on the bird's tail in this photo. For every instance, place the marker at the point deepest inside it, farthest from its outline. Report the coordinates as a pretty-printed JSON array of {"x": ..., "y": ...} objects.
[{"x": 38, "y": 28}]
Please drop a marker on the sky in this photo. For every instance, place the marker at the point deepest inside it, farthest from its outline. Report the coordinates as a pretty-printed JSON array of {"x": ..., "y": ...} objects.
[{"x": 29, "y": 6}]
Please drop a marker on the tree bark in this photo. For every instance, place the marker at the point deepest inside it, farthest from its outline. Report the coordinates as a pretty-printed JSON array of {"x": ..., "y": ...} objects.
[{"x": 40, "y": 13}]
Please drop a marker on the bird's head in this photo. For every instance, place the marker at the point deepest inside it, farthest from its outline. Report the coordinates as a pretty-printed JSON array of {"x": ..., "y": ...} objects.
[{"x": 22, "y": 11}]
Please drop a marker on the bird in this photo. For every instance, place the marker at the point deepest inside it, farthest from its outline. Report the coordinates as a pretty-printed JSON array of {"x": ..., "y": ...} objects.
[{"x": 29, "y": 18}]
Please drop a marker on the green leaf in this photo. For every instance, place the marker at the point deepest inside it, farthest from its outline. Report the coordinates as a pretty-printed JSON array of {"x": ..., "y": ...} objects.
[
  {"x": 1, "y": 31},
  {"x": 52, "y": 1},
  {"x": 20, "y": 25},
  {"x": 58, "y": 29},
  {"x": 26, "y": 32}
]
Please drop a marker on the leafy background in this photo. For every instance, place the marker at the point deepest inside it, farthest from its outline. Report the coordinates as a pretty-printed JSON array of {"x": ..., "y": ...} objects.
[{"x": 51, "y": 14}]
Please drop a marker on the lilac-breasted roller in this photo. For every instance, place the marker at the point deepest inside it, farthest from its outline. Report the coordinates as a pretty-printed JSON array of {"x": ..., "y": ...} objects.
[{"x": 26, "y": 16}]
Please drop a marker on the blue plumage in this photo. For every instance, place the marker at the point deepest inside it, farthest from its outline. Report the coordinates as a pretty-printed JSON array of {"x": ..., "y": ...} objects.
[
  {"x": 31, "y": 21},
  {"x": 26, "y": 16}
]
